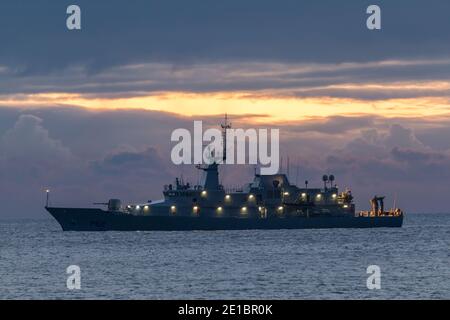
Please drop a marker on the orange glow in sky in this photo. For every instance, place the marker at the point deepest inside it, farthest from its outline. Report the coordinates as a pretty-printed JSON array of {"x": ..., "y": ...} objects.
[{"x": 277, "y": 108}]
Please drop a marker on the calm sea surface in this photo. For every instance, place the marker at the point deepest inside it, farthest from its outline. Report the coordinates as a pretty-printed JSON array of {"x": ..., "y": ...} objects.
[{"x": 281, "y": 264}]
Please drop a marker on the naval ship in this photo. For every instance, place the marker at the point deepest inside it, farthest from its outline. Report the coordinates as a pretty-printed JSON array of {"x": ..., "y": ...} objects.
[{"x": 268, "y": 202}]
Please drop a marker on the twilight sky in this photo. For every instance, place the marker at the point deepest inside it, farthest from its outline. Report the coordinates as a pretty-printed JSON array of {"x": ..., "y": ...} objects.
[{"x": 89, "y": 113}]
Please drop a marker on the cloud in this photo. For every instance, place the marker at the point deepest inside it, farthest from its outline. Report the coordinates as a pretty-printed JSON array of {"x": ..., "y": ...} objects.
[
  {"x": 333, "y": 124},
  {"x": 414, "y": 156},
  {"x": 31, "y": 160},
  {"x": 145, "y": 164},
  {"x": 28, "y": 136},
  {"x": 402, "y": 137},
  {"x": 394, "y": 163},
  {"x": 374, "y": 80},
  {"x": 28, "y": 147},
  {"x": 270, "y": 48},
  {"x": 126, "y": 154},
  {"x": 118, "y": 33},
  {"x": 111, "y": 157}
]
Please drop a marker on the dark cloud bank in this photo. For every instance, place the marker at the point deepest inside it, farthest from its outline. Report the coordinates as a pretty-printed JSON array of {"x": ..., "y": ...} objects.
[
  {"x": 120, "y": 32},
  {"x": 303, "y": 47}
]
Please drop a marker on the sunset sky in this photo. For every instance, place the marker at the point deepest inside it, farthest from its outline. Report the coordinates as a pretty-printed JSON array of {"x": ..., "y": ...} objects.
[{"x": 89, "y": 113}]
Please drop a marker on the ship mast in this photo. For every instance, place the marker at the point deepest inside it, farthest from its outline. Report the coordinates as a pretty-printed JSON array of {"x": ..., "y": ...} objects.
[
  {"x": 225, "y": 126},
  {"x": 211, "y": 179}
]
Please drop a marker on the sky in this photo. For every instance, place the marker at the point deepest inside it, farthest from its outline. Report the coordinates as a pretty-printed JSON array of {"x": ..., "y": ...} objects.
[{"x": 88, "y": 113}]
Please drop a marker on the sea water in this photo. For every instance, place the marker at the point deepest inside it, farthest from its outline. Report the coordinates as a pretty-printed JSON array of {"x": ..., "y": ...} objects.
[{"x": 414, "y": 262}]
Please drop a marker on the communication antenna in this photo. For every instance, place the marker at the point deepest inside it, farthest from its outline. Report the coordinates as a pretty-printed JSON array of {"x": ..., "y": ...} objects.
[
  {"x": 198, "y": 177},
  {"x": 225, "y": 126},
  {"x": 325, "y": 180},
  {"x": 281, "y": 167},
  {"x": 331, "y": 178},
  {"x": 287, "y": 164}
]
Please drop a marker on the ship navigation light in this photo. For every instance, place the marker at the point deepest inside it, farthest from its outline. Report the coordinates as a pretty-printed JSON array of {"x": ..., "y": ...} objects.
[{"x": 47, "y": 201}]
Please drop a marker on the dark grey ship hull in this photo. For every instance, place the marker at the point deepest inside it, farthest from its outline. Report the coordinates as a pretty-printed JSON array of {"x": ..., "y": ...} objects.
[{"x": 76, "y": 219}]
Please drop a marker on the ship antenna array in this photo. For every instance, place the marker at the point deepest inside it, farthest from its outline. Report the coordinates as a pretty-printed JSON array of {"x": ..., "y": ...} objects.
[{"x": 225, "y": 126}]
